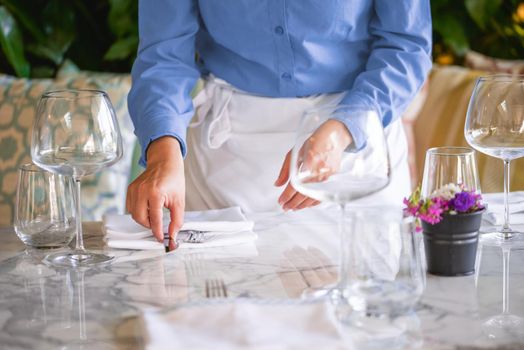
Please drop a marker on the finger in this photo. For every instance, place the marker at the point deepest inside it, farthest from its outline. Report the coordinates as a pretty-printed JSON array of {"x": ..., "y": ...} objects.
[
  {"x": 288, "y": 193},
  {"x": 129, "y": 201},
  {"x": 155, "y": 217},
  {"x": 176, "y": 211},
  {"x": 140, "y": 210},
  {"x": 284, "y": 171},
  {"x": 295, "y": 201},
  {"x": 309, "y": 202}
]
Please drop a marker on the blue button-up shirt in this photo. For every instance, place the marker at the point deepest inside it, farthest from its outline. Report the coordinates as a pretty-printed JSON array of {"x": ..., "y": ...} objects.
[{"x": 378, "y": 52}]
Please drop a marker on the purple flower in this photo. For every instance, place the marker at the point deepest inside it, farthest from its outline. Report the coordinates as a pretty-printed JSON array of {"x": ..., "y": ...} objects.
[{"x": 463, "y": 201}]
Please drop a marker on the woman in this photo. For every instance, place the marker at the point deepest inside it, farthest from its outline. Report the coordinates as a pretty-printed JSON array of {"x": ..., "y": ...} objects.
[{"x": 264, "y": 63}]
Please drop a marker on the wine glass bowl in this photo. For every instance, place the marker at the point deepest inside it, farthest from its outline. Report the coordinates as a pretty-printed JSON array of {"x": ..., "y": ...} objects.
[
  {"x": 358, "y": 173},
  {"x": 495, "y": 126},
  {"x": 76, "y": 134}
]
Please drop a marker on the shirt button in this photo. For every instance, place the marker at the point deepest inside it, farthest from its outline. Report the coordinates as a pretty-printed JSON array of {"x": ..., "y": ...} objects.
[
  {"x": 279, "y": 30},
  {"x": 286, "y": 76}
]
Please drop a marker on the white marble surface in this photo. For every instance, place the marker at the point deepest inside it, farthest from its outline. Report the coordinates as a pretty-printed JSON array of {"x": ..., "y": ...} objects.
[{"x": 44, "y": 308}]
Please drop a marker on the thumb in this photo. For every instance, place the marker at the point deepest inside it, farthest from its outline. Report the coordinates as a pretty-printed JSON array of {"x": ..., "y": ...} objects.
[{"x": 284, "y": 172}]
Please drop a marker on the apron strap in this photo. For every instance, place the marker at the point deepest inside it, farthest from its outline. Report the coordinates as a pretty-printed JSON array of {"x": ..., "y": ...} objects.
[{"x": 212, "y": 112}]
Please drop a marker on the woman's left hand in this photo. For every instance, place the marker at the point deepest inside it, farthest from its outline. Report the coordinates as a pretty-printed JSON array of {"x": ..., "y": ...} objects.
[{"x": 322, "y": 153}]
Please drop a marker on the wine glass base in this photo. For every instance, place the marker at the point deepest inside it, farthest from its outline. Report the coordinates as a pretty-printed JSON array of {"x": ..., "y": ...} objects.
[
  {"x": 77, "y": 258},
  {"x": 498, "y": 327},
  {"x": 501, "y": 239}
]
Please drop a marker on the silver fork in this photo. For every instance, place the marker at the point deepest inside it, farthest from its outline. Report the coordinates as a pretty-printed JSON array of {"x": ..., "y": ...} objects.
[
  {"x": 195, "y": 237},
  {"x": 216, "y": 288}
]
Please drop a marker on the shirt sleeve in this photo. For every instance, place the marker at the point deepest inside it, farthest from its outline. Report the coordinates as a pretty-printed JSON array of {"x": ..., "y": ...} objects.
[
  {"x": 398, "y": 64},
  {"x": 164, "y": 72}
]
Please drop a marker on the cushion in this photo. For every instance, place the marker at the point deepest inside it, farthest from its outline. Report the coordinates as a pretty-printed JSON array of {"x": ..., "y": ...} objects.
[
  {"x": 441, "y": 123},
  {"x": 102, "y": 192}
]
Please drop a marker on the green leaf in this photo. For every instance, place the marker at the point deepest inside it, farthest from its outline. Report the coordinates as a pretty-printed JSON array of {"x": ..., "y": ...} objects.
[
  {"x": 23, "y": 16},
  {"x": 122, "y": 49},
  {"x": 481, "y": 11},
  {"x": 12, "y": 44},
  {"x": 452, "y": 32},
  {"x": 60, "y": 29},
  {"x": 47, "y": 52},
  {"x": 122, "y": 18}
]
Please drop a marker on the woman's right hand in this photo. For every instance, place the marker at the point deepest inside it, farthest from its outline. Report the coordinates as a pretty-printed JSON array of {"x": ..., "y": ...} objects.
[{"x": 161, "y": 185}]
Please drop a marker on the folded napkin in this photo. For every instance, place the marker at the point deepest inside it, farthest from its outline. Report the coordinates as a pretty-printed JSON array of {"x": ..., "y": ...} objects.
[
  {"x": 245, "y": 324},
  {"x": 222, "y": 227},
  {"x": 495, "y": 208}
]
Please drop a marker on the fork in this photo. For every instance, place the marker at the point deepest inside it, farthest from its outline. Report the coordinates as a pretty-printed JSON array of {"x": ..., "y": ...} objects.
[
  {"x": 216, "y": 288},
  {"x": 195, "y": 237}
]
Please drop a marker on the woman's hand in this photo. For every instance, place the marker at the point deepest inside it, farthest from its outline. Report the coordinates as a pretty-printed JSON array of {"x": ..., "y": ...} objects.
[
  {"x": 161, "y": 185},
  {"x": 321, "y": 153}
]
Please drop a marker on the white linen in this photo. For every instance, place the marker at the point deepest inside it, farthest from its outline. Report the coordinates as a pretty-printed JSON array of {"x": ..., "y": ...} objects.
[
  {"x": 238, "y": 142},
  {"x": 245, "y": 324},
  {"x": 495, "y": 208},
  {"x": 223, "y": 227}
]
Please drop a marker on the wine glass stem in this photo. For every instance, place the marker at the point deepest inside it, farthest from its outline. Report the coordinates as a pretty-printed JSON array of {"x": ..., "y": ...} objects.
[
  {"x": 506, "y": 229},
  {"x": 344, "y": 248},
  {"x": 79, "y": 235},
  {"x": 505, "y": 279}
]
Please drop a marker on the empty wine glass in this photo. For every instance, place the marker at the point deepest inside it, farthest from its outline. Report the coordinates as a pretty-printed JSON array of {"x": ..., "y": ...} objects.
[
  {"x": 386, "y": 275},
  {"x": 495, "y": 126},
  {"x": 45, "y": 211},
  {"x": 76, "y": 134},
  {"x": 360, "y": 174}
]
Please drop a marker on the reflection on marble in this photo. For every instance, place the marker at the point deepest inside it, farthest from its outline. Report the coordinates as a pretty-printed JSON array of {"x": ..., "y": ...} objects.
[{"x": 46, "y": 308}]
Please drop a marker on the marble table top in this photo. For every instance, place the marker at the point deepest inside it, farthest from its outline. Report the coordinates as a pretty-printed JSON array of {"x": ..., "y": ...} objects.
[{"x": 44, "y": 308}]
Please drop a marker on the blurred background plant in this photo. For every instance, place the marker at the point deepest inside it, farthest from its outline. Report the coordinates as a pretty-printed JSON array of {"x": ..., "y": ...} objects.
[
  {"x": 492, "y": 27},
  {"x": 37, "y": 36}
]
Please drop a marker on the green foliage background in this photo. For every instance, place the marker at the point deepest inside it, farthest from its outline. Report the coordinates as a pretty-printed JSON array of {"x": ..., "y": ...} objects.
[{"x": 36, "y": 36}]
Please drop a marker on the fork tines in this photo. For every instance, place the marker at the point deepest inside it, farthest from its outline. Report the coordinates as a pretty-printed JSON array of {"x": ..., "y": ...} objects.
[{"x": 215, "y": 288}]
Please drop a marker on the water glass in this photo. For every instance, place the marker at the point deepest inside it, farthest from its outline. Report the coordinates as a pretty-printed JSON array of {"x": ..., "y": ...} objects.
[
  {"x": 449, "y": 165},
  {"x": 385, "y": 275},
  {"x": 45, "y": 211}
]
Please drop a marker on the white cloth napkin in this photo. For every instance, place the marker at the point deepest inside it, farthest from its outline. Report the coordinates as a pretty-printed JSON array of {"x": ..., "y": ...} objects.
[
  {"x": 244, "y": 324},
  {"x": 495, "y": 208},
  {"x": 222, "y": 227}
]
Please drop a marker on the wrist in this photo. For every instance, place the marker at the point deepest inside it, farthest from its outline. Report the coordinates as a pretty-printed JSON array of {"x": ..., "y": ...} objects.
[
  {"x": 163, "y": 149},
  {"x": 340, "y": 132}
]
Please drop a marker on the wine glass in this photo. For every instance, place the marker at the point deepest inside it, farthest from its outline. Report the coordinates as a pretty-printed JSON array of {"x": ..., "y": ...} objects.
[
  {"x": 361, "y": 173},
  {"x": 76, "y": 134},
  {"x": 495, "y": 126},
  {"x": 45, "y": 210}
]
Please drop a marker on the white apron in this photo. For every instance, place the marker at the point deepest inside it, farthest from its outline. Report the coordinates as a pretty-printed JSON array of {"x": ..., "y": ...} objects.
[{"x": 238, "y": 142}]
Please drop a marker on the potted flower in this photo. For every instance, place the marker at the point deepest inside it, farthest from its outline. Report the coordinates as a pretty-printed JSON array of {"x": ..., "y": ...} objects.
[{"x": 450, "y": 219}]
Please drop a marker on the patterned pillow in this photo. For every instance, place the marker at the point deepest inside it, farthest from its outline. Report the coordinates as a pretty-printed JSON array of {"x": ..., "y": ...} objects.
[{"x": 102, "y": 192}]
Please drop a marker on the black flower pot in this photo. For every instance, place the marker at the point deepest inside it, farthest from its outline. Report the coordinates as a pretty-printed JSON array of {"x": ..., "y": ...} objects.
[{"x": 451, "y": 244}]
